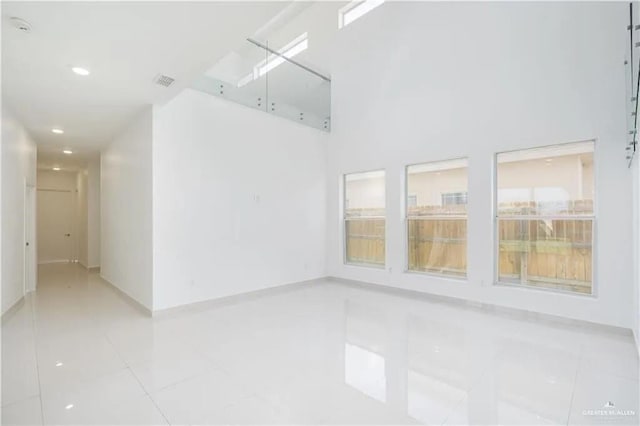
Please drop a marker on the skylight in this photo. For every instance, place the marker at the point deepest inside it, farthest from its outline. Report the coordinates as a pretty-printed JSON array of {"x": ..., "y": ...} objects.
[{"x": 355, "y": 10}]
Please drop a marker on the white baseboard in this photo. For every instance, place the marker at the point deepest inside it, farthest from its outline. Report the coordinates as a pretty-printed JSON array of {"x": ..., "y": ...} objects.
[
  {"x": 13, "y": 309},
  {"x": 95, "y": 268},
  {"x": 234, "y": 298},
  {"x": 142, "y": 308},
  {"x": 486, "y": 307}
]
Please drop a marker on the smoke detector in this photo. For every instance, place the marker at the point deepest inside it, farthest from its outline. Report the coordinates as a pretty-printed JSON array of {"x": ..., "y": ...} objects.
[
  {"x": 21, "y": 24},
  {"x": 163, "y": 80}
]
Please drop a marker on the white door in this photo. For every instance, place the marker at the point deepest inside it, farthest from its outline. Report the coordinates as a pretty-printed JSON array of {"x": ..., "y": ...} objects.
[
  {"x": 55, "y": 213},
  {"x": 29, "y": 238}
]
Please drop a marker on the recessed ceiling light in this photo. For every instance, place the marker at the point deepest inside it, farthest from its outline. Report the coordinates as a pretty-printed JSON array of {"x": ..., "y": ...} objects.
[
  {"x": 57, "y": 169},
  {"x": 57, "y": 131},
  {"x": 59, "y": 364},
  {"x": 68, "y": 151},
  {"x": 68, "y": 407},
  {"x": 81, "y": 71}
]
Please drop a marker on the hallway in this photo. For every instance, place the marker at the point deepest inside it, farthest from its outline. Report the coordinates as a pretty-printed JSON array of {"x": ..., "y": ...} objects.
[{"x": 80, "y": 353}]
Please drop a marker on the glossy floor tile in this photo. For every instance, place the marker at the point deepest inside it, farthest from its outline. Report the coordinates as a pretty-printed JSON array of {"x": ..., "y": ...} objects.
[{"x": 76, "y": 352}]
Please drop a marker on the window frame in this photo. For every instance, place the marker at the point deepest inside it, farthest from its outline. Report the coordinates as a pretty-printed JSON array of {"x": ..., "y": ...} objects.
[
  {"x": 343, "y": 220},
  {"x": 405, "y": 217},
  {"x": 593, "y": 217}
]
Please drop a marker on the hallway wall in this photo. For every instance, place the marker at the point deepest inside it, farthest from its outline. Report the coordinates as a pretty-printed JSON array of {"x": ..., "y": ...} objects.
[
  {"x": 82, "y": 203},
  {"x": 126, "y": 217},
  {"x": 18, "y": 157},
  {"x": 93, "y": 213}
]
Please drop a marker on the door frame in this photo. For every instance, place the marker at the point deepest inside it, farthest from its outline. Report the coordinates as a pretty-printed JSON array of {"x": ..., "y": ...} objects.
[{"x": 72, "y": 255}]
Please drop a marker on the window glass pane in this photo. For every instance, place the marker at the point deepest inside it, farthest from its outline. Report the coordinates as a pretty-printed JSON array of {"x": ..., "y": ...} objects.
[
  {"x": 436, "y": 217},
  {"x": 364, "y": 194},
  {"x": 553, "y": 254},
  {"x": 545, "y": 217},
  {"x": 437, "y": 188},
  {"x": 364, "y": 214},
  {"x": 438, "y": 245},
  {"x": 548, "y": 181},
  {"x": 365, "y": 241}
]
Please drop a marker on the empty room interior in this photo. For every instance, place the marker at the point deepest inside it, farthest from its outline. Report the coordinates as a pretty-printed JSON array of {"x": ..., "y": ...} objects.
[{"x": 320, "y": 212}]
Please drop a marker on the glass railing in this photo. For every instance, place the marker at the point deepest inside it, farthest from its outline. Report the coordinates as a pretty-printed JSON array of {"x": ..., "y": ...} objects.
[
  {"x": 632, "y": 70},
  {"x": 272, "y": 80}
]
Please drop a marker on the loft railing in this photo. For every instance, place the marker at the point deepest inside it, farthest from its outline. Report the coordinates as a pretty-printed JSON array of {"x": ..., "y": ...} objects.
[
  {"x": 273, "y": 80},
  {"x": 633, "y": 89}
]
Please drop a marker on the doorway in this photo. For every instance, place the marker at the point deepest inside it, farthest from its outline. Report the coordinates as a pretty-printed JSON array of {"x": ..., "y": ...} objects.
[{"x": 55, "y": 219}]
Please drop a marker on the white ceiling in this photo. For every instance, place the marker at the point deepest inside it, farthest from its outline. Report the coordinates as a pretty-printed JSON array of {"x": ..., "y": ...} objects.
[
  {"x": 48, "y": 158},
  {"x": 125, "y": 45}
]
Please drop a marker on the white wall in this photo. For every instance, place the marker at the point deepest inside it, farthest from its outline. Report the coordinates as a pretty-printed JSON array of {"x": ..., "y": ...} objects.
[
  {"x": 635, "y": 172},
  {"x": 93, "y": 213},
  {"x": 60, "y": 180},
  {"x": 18, "y": 168},
  {"x": 126, "y": 218},
  {"x": 82, "y": 202},
  {"x": 239, "y": 200},
  {"x": 416, "y": 82}
]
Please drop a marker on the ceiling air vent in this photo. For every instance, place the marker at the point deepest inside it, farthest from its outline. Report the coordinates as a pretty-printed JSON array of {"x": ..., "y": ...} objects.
[{"x": 163, "y": 80}]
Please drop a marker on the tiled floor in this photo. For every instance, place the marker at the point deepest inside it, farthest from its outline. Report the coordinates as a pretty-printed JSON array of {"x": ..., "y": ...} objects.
[{"x": 78, "y": 353}]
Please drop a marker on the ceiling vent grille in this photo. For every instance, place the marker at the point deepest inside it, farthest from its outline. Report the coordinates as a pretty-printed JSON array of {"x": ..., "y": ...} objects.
[{"x": 163, "y": 80}]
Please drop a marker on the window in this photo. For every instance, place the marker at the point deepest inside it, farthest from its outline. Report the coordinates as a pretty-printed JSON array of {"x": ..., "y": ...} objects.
[
  {"x": 364, "y": 218},
  {"x": 437, "y": 220},
  {"x": 545, "y": 217},
  {"x": 454, "y": 198},
  {"x": 356, "y": 9}
]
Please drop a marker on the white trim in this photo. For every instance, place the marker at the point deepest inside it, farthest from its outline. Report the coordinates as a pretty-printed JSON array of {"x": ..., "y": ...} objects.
[
  {"x": 6, "y": 315},
  {"x": 522, "y": 314},
  {"x": 132, "y": 301},
  {"x": 46, "y": 262},
  {"x": 237, "y": 298}
]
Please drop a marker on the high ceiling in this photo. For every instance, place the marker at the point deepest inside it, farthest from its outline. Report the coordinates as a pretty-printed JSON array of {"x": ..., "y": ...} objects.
[{"x": 125, "y": 45}]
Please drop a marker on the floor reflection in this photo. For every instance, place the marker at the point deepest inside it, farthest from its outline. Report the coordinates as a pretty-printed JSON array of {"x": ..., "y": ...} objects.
[{"x": 478, "y": 369}]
